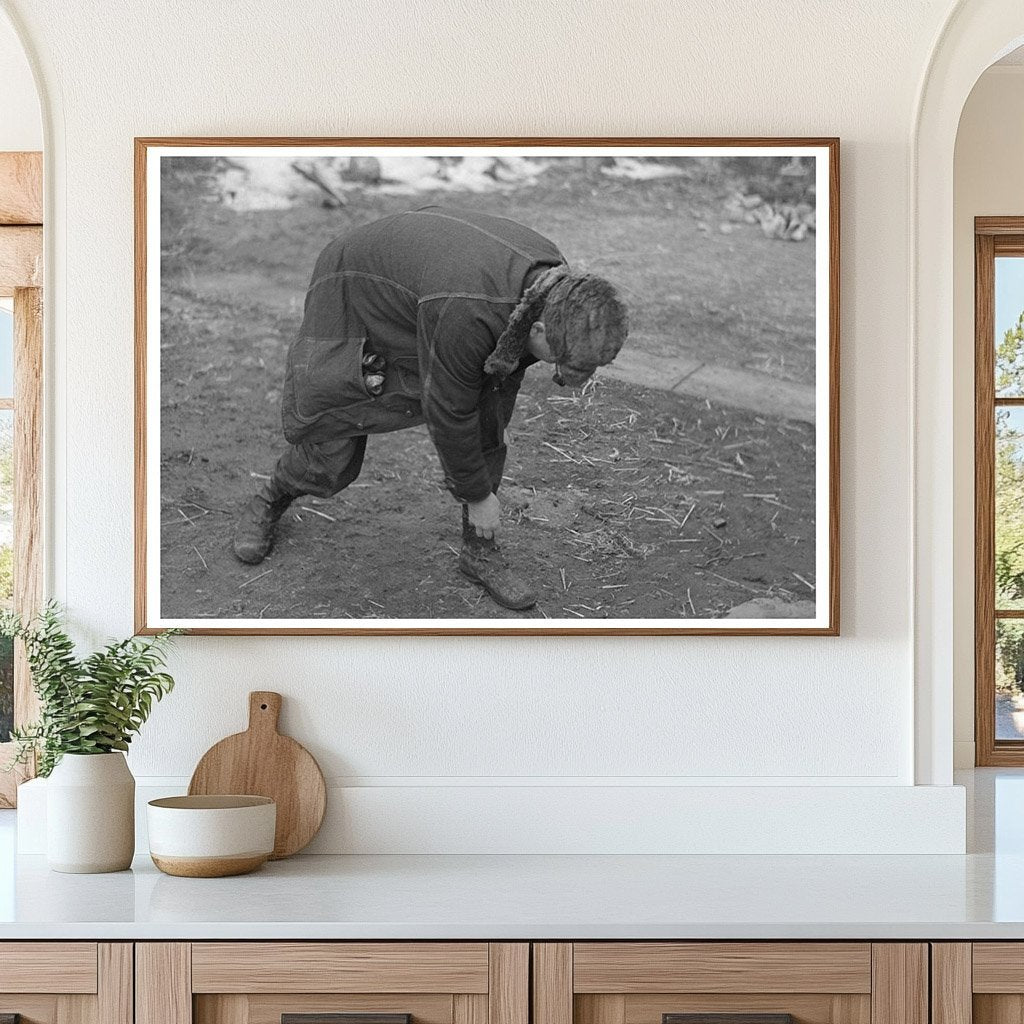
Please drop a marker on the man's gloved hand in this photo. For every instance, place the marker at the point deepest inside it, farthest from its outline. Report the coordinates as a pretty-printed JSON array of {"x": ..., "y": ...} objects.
[{"x": 485, "y": 516}]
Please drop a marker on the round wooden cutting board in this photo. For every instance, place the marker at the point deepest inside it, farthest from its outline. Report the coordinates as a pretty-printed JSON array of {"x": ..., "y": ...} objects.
[{"x": 262, "y": 762}]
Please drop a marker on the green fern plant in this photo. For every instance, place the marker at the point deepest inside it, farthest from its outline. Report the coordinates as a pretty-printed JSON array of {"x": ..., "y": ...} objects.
[{"x": 90, "y": 705}]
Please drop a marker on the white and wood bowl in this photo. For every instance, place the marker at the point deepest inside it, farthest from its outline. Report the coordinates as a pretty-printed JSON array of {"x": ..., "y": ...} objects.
[{"x": 211, "y": 836}]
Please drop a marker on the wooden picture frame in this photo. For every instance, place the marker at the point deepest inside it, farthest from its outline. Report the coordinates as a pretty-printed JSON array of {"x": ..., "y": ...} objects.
[{"x": 822, "y": 591}]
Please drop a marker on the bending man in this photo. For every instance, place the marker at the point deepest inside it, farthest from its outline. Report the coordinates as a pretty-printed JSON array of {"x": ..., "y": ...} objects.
[{"x": 430, "y": 316}]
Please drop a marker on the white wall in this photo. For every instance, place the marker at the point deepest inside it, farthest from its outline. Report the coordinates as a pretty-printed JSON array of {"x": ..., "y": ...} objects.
[
  {"x": 456, "y": 712},
  {"x": 987, "y": 181},
  {"x": 21, "y": 126}
]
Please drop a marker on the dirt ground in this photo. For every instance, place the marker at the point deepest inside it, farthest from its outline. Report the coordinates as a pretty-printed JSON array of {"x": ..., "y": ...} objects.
[{"x": 621, "y": 501}]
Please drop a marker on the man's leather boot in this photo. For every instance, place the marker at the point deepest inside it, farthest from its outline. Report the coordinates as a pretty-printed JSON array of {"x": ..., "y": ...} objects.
[
  {"x": 254, "y": 531},
  {"x": 483, "y": 562}
]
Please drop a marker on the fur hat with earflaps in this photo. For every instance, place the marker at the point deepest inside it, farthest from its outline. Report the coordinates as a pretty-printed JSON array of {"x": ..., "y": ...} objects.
[{"x": 585, "y": 325}]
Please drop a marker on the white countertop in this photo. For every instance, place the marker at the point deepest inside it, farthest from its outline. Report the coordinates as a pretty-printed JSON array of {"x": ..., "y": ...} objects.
[
  {"x": 977, "y": 896},
  {"x": 496, "y": 897}
]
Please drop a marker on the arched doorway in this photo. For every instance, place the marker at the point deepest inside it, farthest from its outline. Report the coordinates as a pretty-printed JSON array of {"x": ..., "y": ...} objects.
[{"x": 976, "y": 34}]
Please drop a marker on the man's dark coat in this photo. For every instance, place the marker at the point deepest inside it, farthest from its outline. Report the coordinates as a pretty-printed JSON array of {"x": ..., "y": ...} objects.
[{"x": 431, "y": 291}]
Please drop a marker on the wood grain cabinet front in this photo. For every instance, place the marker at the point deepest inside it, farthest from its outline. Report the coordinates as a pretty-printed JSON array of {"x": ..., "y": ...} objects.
[
  {"x": 730, "y": 983},
  {"x": 493, "y": 983},
  {"x": 978, "y": 983},
  {"x": 66, "y": 982},
  {"x": 332, "y": 983}
]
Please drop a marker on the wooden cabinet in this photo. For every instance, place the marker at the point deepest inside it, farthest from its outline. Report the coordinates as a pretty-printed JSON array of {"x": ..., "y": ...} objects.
[
  {"x": 66, "y": 982},
  {"x": 752, "y": 982},
  {"x": 307, "y": 982},
  {"x": 978, "y": 983},
  {"x": 494, "y": 983}
]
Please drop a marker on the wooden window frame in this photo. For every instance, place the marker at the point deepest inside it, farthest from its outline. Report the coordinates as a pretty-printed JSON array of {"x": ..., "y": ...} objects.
[
  {"x": 21, "y": 272},
  {"x": 993, "y": 237}
]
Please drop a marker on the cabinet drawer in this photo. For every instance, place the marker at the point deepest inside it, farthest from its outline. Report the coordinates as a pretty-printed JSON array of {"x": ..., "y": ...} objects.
[
  {"x": 730, "y": 983},
  {"x": 66, "y": 982},
  {"x": 65, "y": 967},
  {"x": 634, "y": 967},
  {"x": 332, "y": 983},
  {"x": 340, "y": 967},
  {"x": 998, "y": 967}
]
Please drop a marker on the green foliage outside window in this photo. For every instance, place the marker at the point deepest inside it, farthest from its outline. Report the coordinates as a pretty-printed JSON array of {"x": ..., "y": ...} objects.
[
  {"x": 6, "y": 688},
  {"x": 1009, "y": 510},
  {"x": 1010, "y": 362},
  {"x": 6, "y": 575}
]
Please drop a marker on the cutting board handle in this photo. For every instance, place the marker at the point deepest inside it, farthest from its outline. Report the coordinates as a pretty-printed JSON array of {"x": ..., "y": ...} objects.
[{"x": 264, "y": 710}]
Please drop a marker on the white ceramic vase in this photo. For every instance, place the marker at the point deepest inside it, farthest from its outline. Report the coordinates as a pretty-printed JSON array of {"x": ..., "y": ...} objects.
[{"x": 90, "y": 814}]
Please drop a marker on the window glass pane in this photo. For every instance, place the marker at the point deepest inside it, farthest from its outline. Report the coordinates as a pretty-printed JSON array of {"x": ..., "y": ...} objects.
[
  {"x": 1009, "y": 679},
  {"x": 6, "y": 567},
  {"x": 1009, "y": 538},
  {"x": 1009, "y": 325},
  {"x": 6, "y": 353}
]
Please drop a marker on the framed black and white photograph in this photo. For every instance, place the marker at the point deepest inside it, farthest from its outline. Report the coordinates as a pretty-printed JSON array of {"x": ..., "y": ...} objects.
[{"x": 507, "y": 386}]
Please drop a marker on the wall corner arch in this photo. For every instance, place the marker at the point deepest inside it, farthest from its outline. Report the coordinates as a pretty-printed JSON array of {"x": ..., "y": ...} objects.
[{"x": 976, "y": 33}]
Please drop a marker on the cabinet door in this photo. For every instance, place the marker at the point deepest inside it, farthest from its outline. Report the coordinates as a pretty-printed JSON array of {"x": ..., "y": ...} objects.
[
  {"x": 980, "y": 982},
  {"x": 332, "y": 983},
  {"x": 65, "y": 983},
  {"x": 730, "y": 983}
]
